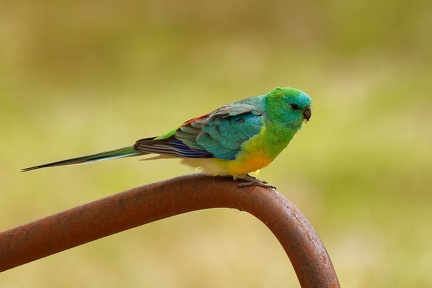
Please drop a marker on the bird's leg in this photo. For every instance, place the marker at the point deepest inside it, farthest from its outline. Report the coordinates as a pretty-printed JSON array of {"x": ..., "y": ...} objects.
[{"x": 252, "y": 181}]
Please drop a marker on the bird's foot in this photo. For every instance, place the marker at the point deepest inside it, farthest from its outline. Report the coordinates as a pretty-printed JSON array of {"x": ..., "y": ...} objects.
[{"x": 252, "y": 181}]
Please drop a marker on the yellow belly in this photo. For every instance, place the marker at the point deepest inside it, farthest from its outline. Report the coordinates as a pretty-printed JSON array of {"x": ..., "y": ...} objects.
[{"x": 242, "y": 165}]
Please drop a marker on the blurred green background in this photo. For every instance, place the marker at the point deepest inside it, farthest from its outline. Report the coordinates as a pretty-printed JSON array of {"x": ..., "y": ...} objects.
[{"x": 79, "y": 77}]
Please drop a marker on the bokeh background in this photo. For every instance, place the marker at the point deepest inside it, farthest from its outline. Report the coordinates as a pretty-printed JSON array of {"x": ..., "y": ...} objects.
[{"x": 79, "y": 77}]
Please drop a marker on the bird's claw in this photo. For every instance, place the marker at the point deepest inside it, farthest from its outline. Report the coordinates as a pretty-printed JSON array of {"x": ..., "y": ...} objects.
[{"x": 252, "y": 181}]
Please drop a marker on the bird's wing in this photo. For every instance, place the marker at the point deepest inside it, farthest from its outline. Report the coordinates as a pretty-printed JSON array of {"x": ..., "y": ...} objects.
[
  {"x": 169, "y": 145},
  {"x": 218, "y": 134},
  {"x": 222, "y": 132}
]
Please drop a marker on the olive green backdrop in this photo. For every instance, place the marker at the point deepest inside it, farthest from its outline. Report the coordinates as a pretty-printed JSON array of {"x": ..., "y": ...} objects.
[{"x": 79, "y": 77}]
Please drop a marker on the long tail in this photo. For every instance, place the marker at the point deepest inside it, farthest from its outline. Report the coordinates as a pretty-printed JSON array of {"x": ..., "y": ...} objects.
[{"x": 118, "y": 153}]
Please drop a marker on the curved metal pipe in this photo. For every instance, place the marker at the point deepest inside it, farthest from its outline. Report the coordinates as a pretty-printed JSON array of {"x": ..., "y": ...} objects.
[{"x": 163, "y": 199}]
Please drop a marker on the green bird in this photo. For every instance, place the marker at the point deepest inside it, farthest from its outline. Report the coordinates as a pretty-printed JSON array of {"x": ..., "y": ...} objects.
[{"x": 233, "y": 140}]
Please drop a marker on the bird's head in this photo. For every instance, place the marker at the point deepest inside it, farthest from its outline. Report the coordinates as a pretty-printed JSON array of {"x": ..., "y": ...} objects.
[{"x": 292, "y": 105}]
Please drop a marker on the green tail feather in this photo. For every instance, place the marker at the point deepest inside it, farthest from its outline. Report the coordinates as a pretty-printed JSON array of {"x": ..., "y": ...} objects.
[{"x": 118, "y": 153}]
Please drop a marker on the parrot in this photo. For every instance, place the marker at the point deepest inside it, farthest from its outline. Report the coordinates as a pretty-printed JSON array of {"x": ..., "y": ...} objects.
[{"x": 234, "y": 140}]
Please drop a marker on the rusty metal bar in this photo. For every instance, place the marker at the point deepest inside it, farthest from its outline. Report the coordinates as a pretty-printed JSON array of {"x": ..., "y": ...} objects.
[{"x": 159, "y": 200}]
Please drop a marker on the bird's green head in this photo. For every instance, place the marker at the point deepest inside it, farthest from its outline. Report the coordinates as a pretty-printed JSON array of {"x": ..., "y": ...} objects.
[{"x": 289, "y": 105}]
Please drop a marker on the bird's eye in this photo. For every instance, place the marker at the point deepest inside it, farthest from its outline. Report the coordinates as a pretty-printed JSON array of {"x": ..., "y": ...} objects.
[{"x": 295, "y": 106}]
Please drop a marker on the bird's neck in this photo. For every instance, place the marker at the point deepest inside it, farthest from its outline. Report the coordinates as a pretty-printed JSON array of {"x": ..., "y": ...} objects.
[{"x": 277, "y": 137}]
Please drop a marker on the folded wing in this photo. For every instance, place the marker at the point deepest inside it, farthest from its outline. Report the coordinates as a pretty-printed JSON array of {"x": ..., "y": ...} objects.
[{"x": 219, "y": 134}]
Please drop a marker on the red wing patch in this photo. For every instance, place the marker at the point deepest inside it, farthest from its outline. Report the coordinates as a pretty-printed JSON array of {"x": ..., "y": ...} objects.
[{"x": 194, "y": 119}]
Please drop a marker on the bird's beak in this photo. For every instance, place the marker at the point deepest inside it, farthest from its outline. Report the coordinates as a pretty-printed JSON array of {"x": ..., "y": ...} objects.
[{"x": 307, "y": 113}]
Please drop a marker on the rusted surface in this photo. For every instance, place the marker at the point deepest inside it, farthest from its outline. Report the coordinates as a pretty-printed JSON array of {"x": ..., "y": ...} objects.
[{"x": 159, "y": 200}]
